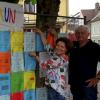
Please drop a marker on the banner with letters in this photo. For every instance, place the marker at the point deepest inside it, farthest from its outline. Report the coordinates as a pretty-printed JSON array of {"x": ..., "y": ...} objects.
[{"x": 11, "y": 16}]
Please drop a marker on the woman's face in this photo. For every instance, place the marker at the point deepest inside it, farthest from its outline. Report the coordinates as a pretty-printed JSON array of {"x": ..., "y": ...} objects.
[{"x": 60, "y": 48}]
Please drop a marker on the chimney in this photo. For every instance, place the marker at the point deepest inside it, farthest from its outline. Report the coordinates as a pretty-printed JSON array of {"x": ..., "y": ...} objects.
[{"x": 97, "y": 7}]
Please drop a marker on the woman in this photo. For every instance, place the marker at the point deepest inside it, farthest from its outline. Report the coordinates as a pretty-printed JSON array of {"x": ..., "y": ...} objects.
[{"x": 56, "y": 68}]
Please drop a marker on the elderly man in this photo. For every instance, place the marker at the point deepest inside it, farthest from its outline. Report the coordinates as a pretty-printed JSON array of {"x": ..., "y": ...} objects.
[{"x": 83, "y": 66}]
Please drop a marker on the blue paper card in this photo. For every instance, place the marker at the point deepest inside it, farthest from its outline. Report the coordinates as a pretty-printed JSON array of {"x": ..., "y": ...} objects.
[
  {"x": 4, "y": 41},
  {"x": 17, "y": 61},
  {"x": 30, "y": 62},
  {"x": 5, "y": 97},
  {"x": 41, "y": 93},
  {"x": 4, "y": 84},
  {"x": 29, "y": 41},
  {"x": 39, "y": 44},
  {"x": 29, "y": 95}
]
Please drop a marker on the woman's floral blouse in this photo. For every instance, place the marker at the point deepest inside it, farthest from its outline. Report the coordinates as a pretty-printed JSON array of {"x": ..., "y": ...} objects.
[{"x": 56, "y": 73}]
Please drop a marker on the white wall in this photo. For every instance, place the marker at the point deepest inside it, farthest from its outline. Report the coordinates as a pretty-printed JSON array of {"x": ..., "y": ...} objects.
[
  {"x": 95, "y": 28},
  {"x": 95, "y": 31}
]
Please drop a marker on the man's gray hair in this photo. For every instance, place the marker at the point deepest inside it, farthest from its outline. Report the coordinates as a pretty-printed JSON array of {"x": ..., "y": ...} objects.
[{"x": 82, "y": 27}]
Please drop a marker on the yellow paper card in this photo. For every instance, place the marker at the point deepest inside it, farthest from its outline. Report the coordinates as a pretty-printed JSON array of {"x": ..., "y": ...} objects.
[
  {"x": 17, "y": 41},
  {"x": 29, "y": 80}
]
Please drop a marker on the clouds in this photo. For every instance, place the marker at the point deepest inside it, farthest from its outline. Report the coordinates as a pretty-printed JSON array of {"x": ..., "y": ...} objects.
[{"x": 76, "y": 5}]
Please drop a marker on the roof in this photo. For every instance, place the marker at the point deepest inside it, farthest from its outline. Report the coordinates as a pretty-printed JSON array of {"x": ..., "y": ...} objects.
[
  {"x": 89, "y": 13},
  {"x": 96, "y": 18}
]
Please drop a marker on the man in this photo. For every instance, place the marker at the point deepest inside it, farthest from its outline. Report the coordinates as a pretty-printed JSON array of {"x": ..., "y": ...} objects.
[{"x": 83, "y": 66}]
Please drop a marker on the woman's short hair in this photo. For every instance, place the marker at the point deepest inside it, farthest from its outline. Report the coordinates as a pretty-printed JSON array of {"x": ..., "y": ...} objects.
[{"x": 67, "y": 42}]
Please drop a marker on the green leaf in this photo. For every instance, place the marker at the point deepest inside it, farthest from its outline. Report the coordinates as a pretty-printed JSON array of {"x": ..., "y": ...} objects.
[{"x": 33, "y": 1}]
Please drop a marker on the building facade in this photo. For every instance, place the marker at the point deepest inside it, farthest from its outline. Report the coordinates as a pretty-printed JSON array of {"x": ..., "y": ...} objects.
[{"x": 30, "y": 18}]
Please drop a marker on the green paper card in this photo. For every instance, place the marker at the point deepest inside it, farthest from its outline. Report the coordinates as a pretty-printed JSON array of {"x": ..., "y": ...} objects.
[{"x": 17, "y": 82}]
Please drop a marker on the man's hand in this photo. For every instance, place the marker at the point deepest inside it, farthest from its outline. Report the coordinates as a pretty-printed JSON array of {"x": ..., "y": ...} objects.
[{"x": 92, "y": 82}]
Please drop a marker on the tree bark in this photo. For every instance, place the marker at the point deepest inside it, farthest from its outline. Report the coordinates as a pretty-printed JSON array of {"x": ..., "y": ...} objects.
[
  {"x": 10, "y": 1},
  {"x": 47, "y": 7}
]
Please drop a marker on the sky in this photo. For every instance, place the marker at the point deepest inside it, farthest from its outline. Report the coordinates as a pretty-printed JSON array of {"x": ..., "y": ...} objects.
[{"x": 76, "y": 5}]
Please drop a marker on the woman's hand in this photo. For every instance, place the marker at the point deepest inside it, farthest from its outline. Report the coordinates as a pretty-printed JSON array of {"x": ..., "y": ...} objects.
[
  {"x": 37, "y": 30},
  {"x": 32, "y": 54},
  {"x": 44, "y": 40}
]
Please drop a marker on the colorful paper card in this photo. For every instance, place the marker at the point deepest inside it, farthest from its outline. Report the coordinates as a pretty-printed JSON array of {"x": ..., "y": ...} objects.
[
  {"x": 30, "y": 62},
  {"x": 17, "y": 82},
  {"x": 4, "y": 41},
  {"x": 17, "y": 41},
  {"x": 17, "y": 96},
  {"x": 29, "y": 41},
  {"x": 29, "y": 80},
  {"x": 4, "y": 84},
  {"x": 29, "y": 95},
  {"x": 41, "y": 93},
  {"x": 5, "y": 62},
  {"x": 5, "y": 97},
  {"x": 17, "y": 62},
  {"x": 39, "y": 44}
]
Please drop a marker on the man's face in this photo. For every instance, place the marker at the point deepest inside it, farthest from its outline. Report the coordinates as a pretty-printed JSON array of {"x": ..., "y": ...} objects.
[{"x": 81, "y": 35}]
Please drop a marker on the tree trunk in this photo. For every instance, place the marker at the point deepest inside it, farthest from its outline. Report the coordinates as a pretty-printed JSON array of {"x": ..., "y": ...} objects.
[
  {"x": 47, "y": 7},
  {"x": 43, "y": 22},
  {"x": 10, "y": 1}
]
